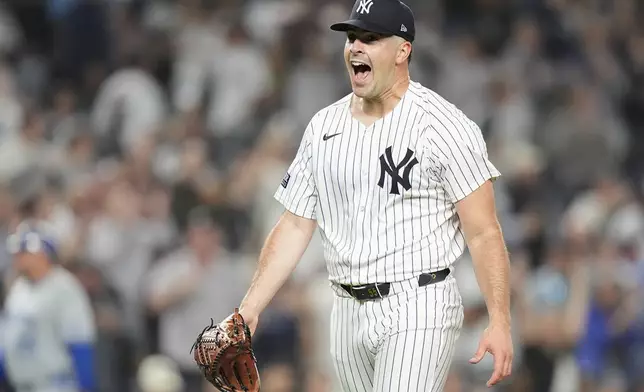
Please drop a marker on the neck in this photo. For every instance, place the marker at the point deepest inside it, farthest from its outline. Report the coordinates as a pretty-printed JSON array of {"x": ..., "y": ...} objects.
[{"x": 385, "y": 102}]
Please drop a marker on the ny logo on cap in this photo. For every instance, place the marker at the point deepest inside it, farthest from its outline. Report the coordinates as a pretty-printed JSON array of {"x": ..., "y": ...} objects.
[{"x": 365, "y": 6}]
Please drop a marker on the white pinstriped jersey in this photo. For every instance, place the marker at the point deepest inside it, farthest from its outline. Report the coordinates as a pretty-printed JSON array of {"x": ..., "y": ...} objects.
[{"x": 384, "y": 195}]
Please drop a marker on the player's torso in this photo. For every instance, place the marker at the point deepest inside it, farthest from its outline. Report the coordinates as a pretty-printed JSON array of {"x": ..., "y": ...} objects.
[
  {"x": 34, "y": 350},
  {"x": 378, "y": 200}
]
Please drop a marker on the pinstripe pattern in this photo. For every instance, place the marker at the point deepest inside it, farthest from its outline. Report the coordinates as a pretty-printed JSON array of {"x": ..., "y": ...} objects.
[
  {"x": 375, "y": 230},
  {"x": 369, "y": 234},
  {"x": 404, "y": 342}
]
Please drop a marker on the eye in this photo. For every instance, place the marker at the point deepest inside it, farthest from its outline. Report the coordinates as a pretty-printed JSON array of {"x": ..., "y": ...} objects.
[
  {"x": 351, "y": 37},
  {"x": 370, "y": 38}
]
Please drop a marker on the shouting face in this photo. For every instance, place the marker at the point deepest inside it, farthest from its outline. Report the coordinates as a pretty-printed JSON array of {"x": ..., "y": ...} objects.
[{"x": 371, "y": 60}]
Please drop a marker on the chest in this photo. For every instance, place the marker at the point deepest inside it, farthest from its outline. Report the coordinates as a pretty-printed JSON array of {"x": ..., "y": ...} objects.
[
  {"x": 27, "y": 299},
  {"x": 385, "y": 160},
  {"x": 28, "y": 313}
]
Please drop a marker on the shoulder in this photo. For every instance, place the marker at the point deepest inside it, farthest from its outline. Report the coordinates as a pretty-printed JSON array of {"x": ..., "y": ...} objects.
[
  {"x": 435, "y": 106},
  {"x": 16, "y": 285},
  {"x": 445, "y": 122},
  {"x": 428, "y": 98},
  {"x": 65, "y": 282}
]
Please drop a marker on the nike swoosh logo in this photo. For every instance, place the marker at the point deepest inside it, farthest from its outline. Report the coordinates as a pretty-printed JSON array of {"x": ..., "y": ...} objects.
[{"x": 326, "y": 137}]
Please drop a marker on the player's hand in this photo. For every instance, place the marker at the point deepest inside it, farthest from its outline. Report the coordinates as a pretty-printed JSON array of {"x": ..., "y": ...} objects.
[{"x": 496, "y": 340}]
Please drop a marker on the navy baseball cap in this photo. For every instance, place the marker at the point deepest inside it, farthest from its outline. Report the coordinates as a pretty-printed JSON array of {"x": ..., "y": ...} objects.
[{"x": 388, "y": 17}]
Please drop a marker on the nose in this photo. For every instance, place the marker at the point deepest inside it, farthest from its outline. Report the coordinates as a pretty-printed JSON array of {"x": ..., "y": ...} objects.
[{"x": 356, "y": 47}]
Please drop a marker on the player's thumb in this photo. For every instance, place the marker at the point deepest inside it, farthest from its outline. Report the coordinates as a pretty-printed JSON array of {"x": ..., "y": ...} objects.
[{"x": 480, "y": 353}]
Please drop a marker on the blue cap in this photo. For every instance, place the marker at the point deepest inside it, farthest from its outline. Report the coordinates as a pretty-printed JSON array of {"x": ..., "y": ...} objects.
[{"x": 31, "y": 238}]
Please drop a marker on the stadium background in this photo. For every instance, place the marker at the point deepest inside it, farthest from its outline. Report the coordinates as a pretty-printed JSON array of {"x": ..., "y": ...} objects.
[{"x": 153, "y": 133}]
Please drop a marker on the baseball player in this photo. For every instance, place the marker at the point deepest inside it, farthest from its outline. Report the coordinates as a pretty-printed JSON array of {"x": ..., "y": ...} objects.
[
  {"x": 398, "y": 181},
  {"x": 48, "y": 326}
]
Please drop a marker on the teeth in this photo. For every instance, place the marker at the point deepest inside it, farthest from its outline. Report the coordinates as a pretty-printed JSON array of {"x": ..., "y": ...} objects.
[{"x": 357, "y": 63}]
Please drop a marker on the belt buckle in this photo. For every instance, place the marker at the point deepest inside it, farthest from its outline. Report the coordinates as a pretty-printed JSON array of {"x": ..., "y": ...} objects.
[
  {"x": 374, "y": 292},
  {"x": 371, "y": 292},
  {"x": 365, "y": 292}
]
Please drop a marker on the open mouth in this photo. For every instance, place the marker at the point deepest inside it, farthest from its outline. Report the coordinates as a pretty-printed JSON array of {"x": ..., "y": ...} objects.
[{"x": 360, "y": 70}]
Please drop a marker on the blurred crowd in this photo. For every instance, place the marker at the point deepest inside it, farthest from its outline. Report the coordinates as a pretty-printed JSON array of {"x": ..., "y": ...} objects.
[{"x": 152, "y": 135}]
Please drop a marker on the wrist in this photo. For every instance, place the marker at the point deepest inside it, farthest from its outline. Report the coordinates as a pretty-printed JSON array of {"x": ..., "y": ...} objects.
[
  {"x": 248, "y": 311},
  {"x": 501, "y": 320}
]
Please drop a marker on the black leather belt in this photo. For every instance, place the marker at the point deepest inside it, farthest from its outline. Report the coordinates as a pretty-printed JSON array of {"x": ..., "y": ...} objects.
[{"x": 380, "y": 290}]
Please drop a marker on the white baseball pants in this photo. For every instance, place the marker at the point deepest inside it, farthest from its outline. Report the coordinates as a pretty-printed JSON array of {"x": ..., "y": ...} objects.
[{"x": 401, "y": 343}]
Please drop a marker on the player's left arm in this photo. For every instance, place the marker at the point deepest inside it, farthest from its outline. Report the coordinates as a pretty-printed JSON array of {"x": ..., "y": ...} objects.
[
  {"x": 78, "y": 332},
  {"x": 467, "y": 177},
  {"x": 484, "y": 238}
]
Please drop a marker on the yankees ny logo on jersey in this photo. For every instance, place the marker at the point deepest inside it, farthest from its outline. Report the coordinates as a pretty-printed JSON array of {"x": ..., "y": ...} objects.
[
  {"x": 365, "y": 6},
  {"x": 388, "y": 166}
]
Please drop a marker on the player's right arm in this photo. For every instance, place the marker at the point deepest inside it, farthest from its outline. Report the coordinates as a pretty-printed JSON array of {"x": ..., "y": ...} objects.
[{"x": 290, "y": 237}]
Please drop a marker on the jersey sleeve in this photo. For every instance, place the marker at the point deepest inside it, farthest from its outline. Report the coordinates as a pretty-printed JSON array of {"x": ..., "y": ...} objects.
[
  {"x": 297, "y": 192},
  {"x": 460, "y": 153}
]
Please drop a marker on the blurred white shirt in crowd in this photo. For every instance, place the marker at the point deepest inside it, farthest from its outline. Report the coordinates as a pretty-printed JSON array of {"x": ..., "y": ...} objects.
[
  {"x": 11, "y": 110},
  {"x": 265, "y": 19},
  {"x": 197, "y": 46},
  {"x": 233, "y": 76},
  {"x": 123, "y": 253},
  {"x": 463, "y": 81},
  {"x": 242, "y": 76},
  {"x": 141, "y": 100},
  {"x": 18, "y": 154},
  {"x": 219, "y": 288},
  {"x": 10, "y": 34},
  {"x": 311, "y": 85}
]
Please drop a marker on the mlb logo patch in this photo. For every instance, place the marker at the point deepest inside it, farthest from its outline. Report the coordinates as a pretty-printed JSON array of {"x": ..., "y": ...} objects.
[{"x": 285, "y": 180}]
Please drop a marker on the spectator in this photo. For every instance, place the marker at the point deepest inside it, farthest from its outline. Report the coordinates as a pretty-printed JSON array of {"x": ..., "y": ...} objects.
[
  {"x": 132, "y": 96},
  {"x": 552, "y": 311},
  {"x": 116, "y": 242},
  {"x": 11, "y": 110},
  {"x": 197, "y": 281},
  {"x": 243, "y": 80}
]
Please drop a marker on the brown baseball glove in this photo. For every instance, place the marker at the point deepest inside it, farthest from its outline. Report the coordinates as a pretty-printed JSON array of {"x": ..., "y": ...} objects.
[{"x": 224, "y": 354}]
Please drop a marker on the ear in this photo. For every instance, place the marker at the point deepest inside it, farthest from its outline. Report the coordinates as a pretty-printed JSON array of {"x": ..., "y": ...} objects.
[{"x": 404, "y": 51}]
